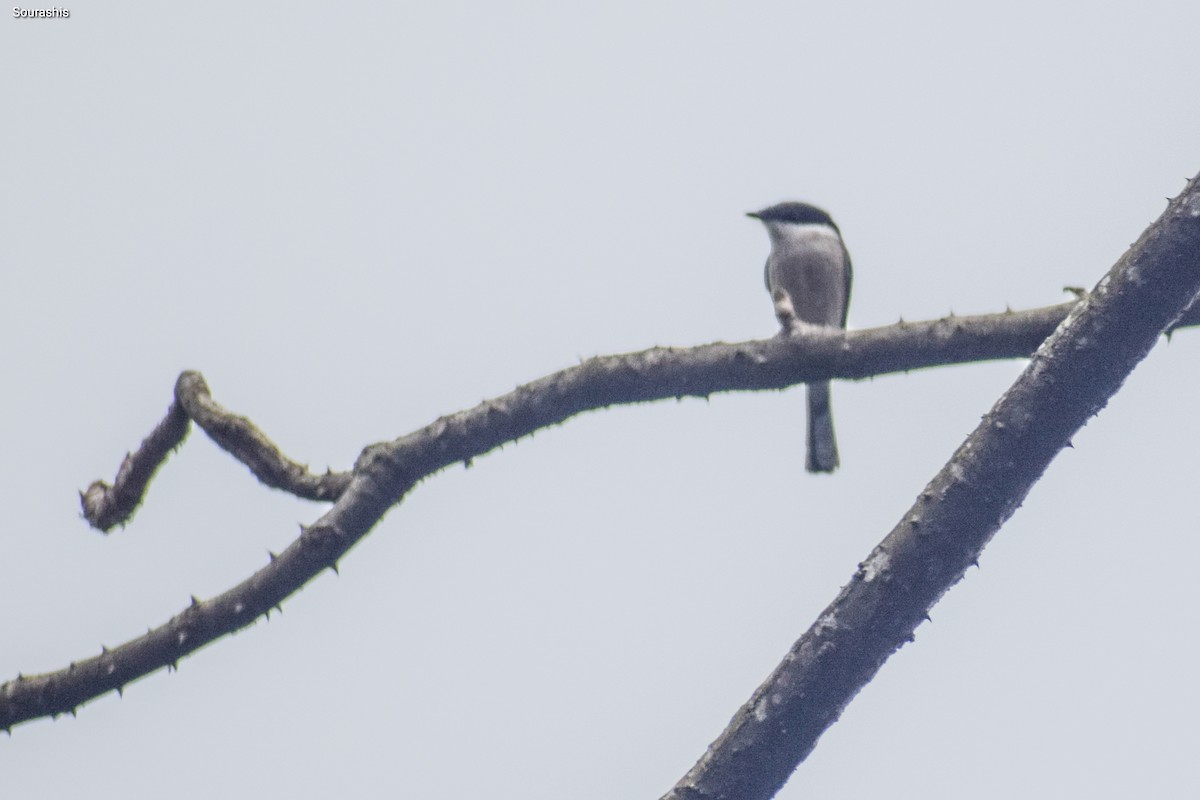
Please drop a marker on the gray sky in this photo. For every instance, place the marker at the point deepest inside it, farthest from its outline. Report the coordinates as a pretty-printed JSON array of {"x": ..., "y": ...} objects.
[{"x": 356, "y": 218}]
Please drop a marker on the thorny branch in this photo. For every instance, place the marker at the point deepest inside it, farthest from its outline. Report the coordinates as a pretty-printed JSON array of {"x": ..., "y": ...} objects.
[
  {"x": 384, "y": 472},
  {"x": 1068, "y": 380},
  {"x": 654, "y": 374},
  {"x": 877, "y": 612}
]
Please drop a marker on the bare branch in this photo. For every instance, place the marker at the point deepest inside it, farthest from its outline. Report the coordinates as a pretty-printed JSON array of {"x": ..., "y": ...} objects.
[
  {"x": 654, "y": 374},
  {"x": 385, "y": 472},
  {"x": 105, "y": 506},
  {"x": 1068, "y": 380},
  {"x": 247, "y": 444}
]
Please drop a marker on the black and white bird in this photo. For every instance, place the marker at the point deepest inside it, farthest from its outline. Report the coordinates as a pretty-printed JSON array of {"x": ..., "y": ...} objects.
[{"x": 808, "y": 275}]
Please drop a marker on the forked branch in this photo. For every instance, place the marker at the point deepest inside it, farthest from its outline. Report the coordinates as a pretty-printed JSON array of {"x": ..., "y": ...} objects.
[{"x": 1069, "y": 379}]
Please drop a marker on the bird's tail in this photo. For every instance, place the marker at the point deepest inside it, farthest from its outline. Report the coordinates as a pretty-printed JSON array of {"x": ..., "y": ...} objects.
[{"x": 822, "y": 444}]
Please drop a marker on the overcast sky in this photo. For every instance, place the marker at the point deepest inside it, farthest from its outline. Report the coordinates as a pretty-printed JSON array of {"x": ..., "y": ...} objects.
[{"x": 355, "y": 218}]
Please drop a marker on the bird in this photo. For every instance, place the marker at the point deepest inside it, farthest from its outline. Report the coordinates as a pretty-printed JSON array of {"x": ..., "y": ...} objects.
[{"x": 808, "y": 275}]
